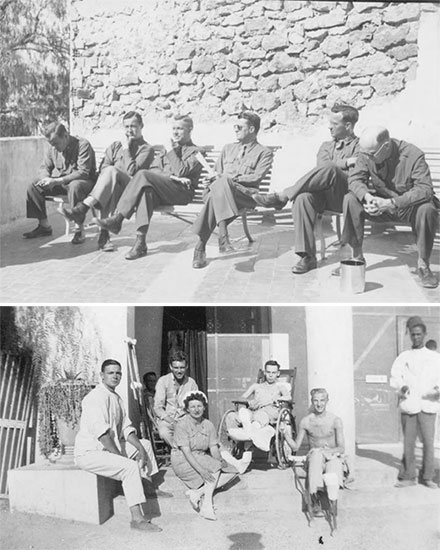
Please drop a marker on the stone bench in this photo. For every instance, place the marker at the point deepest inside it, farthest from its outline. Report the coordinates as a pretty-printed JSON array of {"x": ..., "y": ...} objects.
[{"x": 63, "y": 491}]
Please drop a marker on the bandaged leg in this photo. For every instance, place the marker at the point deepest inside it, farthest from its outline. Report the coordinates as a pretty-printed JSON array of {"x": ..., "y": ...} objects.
[
  {"x": 332, "y": 483},
  {"x": 262, "y": 436},
  {"x": 333, "y": 476},
  {"x": 245, "y": 417},
  {"x": 240, "y": 465}
]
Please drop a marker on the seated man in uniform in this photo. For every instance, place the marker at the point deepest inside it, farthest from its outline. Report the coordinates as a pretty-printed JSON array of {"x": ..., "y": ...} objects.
[
  {"x": 391, "y": 182},
  {"x": 325, "y": 462},
  {"x": 253, "y": 423},
  {"x": 171, "y": 390},
  {"x": 323, "y": 187},
  {"x": 121, "y": 162},
  {"x": 69, "y": 168},
  {"x": 172, "y": 179},
  {"x": 240, "y": 170},
  {"x": 107, "y": 440}
]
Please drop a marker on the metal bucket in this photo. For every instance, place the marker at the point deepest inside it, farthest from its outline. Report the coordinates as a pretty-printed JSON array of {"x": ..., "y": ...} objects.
[{"x": 352, "y": 276}]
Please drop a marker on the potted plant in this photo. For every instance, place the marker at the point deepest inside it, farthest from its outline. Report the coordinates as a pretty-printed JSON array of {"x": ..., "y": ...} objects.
[
  {"x": 59, "y": 339},
  {"x": 60, "y": 412}
]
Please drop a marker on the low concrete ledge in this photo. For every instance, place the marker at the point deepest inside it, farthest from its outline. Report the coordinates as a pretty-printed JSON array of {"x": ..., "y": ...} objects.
[
  {"x": 20, "y": 160},
  {"x": 62, "y": 491}
]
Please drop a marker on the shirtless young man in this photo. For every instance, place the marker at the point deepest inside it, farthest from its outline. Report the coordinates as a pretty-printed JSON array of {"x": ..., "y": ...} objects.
[
  {"x": 253, "y": 423},
  {"x": 326, "y": 439}
]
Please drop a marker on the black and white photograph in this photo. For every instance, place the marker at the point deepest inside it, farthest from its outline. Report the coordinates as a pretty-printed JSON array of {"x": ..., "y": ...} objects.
[
  {"x": 220, "y": 151},
  {"x": 219, "y": 271},
  {"x": 253, "y": 426}
]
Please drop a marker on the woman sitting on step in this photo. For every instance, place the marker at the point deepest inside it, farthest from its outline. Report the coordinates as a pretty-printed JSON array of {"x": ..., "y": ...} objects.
[{"x": 197, "y": 459}]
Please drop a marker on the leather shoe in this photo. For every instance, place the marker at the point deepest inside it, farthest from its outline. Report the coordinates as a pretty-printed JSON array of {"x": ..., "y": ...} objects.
[
  {"x": 430, "y": 484},
  {"x": 270, "y": 200},
  {"x": 427, "y": 277},
  {"x": 76, "y": 214},
  {"x": 145, "y": 525},
  {"x": 224, "y": 246},
  {"x": 138, "y": 250},
  {"x": 199, "y": 259},
  {"x": 305, "y": 264},
  {"x": 401, "y": 483},
  {"x": 78, "y": 237},
  {"x": 113, "y": 223},
  {"x": 39, "y": 231},
  {"x": 104, "y": 242},
  {"x": 104, "y": 236}
]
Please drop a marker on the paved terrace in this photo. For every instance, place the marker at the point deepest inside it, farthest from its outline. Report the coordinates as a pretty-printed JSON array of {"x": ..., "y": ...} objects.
[
  {"x": 260, "y": 512},
  {"x": 52, "y": 270}
]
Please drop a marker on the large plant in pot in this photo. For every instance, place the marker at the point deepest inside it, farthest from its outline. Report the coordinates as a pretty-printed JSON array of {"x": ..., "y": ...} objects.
[
  {"x": 59, "y": 413},
  {"x": 66, "y": 350}
]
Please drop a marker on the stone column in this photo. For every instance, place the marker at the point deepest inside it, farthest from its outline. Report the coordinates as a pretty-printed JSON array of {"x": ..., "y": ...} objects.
[
  {"x": 113, "y": 328},
  {"x": 330, "y": 362}
]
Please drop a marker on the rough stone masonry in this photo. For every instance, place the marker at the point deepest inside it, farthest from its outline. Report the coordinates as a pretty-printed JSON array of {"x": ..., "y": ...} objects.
[{"x": 286, "y": 59}]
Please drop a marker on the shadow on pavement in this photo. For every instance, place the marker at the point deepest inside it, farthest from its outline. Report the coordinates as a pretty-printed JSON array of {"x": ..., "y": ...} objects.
[
  {"x": 246, "y": 541},
  {"x": 380, "y": 456}
]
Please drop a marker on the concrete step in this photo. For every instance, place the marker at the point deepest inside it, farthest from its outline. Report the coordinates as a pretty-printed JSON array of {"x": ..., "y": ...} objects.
[
  {"x": 253, "y": 479},
  {"x": 253, "y": 491}
]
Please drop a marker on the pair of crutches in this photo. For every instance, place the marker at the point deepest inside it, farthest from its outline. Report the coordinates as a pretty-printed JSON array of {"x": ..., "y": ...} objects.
[{"x": 146, "y": 423}]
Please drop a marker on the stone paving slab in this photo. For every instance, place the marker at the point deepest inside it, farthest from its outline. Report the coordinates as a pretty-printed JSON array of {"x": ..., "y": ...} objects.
[{"x": 52, "y": 270}]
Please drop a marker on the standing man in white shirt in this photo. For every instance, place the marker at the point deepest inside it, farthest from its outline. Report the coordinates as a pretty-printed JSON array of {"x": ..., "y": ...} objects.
[
  {"x": 415, "y": 374},
  {"x": 107, "y": 439},
  {"x": 171, "y": 390}
]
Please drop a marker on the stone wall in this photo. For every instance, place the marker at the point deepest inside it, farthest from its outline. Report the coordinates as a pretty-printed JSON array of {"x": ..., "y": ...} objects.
[{"x": 286, "y": 59}]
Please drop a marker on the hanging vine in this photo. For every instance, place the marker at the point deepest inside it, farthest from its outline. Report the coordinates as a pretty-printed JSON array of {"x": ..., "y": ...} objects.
[{"x": 65, "y": 347}]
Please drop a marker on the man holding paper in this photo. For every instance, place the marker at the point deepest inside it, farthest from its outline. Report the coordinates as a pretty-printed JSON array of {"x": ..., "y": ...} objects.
[
  {"x": 238, "y": 174},
  {"x": 172, "y": 179}
]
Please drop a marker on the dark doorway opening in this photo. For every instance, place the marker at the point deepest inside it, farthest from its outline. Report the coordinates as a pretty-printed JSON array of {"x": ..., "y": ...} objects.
[{"x": 185, "y": 328}]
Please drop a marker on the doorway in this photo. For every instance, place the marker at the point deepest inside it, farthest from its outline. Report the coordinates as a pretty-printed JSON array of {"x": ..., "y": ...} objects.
[{"x": 185, "y": 328}]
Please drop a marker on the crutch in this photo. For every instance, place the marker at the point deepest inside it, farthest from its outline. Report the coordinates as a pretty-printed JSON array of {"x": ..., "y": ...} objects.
[{"x": 136, "y": 386}]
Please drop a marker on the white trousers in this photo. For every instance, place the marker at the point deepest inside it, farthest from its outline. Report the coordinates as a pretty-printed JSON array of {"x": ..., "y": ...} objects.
[{"x": 122, "y": 468}]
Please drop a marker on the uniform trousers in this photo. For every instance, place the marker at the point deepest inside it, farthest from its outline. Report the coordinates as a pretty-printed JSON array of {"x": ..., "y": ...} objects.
[
  {"x": 109, "y": 188},
  {"x": 166, "y": 430},
  {"x": 148, "y": 189},
  {"x": 424, "y": 424},
  {"x": 223, "y": 201},
  {"x": 422, "y": 217},
  {"x": 76, "y": 191},
  {"x": 323, "y": 188},
  {"x": 122, "y": 468}
]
